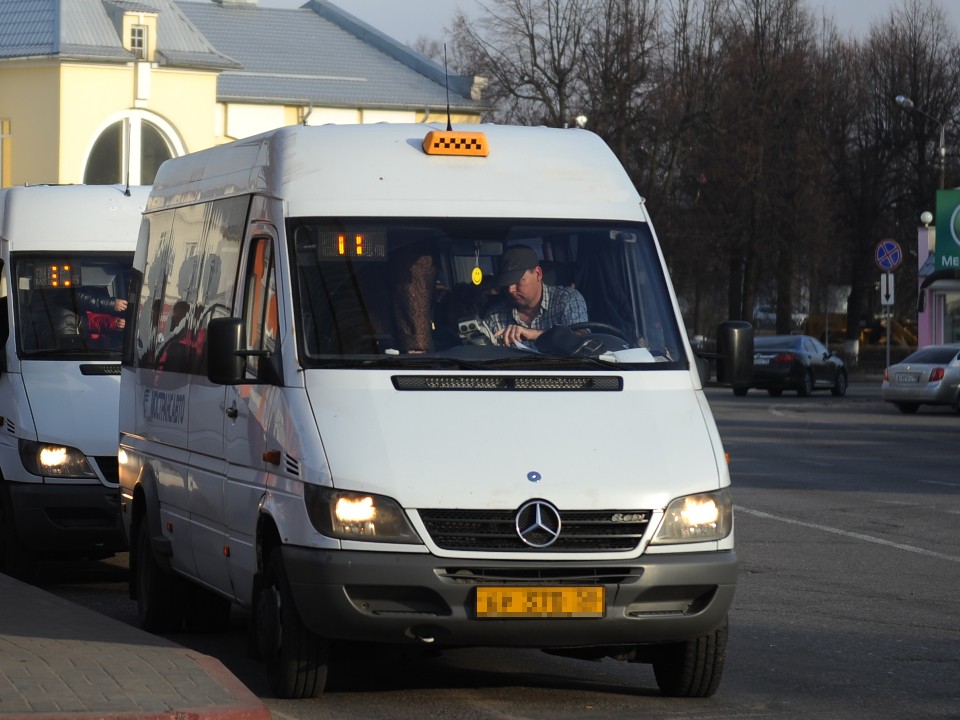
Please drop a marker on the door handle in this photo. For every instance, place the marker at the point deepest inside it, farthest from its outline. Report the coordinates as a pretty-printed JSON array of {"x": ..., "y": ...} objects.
[{"x": 232, "y": 411}]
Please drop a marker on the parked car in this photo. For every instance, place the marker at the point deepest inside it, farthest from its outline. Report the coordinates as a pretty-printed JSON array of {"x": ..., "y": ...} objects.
[
  {"x": 930, "y": 376},
  {"x": 795, "y": 362}
]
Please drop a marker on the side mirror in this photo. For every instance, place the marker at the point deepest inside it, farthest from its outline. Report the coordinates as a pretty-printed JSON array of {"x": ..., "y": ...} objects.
[
  {"x": 735, "y": 353},
  {"x": 226, "y": 346}
]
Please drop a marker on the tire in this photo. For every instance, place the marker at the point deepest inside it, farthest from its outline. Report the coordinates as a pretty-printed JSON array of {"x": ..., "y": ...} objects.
[
  {"x": 806, "y": 385},
  {"x": 956, "y": 403},
  {"x": 297, "y": 659},
  {"x": 839, "y": 388},
  {"x": 15, "y": 560},
  {"x": 159, "y": 594},
  {"x": 692, "y": 669},
  {"x": 907, "y": 408},
  {"x": 740, "y": 391},
  {"x": 774, "y": 392}
]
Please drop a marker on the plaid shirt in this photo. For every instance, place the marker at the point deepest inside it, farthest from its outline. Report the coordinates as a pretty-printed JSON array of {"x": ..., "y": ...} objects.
[{"x": 558, "y": 306}]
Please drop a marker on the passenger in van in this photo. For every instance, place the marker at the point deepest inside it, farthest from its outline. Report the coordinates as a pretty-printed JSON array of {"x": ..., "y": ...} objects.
[
  {"x": 60, "y": 317},
  {"x": 528, "y": 306},
  {"x": 101, "y": 326}
]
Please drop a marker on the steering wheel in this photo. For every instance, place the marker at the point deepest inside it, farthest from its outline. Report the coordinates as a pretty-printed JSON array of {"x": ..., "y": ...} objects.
[{"x": 599, "y": 327}]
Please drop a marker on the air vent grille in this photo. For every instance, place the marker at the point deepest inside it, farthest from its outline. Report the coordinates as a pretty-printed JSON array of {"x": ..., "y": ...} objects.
[{"x": 564, "y": 383}]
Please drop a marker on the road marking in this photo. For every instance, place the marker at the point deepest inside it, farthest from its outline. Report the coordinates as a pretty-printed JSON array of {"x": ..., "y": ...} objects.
[
  {"x": 847, "y": 533},
  {"x": 937, "y": 482}
]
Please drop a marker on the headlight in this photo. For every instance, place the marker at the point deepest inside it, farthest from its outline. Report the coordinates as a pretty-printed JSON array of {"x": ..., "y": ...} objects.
[
  {"x": 696, "y": 518},
  {"x": 49, "y": 460},
  {"x": 357, "y": 516}
]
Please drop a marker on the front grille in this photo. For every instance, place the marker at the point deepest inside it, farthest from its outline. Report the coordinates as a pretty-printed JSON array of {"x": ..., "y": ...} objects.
[
  {"x": 495, "y": 530},
  {"x": 604, "y": 383},
  {"x": 101, "y": 369}
]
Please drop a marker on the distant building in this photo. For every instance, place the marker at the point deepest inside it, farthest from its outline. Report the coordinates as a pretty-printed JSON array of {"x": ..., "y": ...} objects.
[{"x": 103, "y": 91}]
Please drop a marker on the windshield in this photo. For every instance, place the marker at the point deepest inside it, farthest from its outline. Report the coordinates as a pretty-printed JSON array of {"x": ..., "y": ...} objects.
[
  {"x": 70, "y": 305},
  {"x": 481, "y": 293}
]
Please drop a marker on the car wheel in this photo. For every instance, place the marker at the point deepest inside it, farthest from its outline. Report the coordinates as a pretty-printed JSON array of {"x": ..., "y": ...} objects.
[
  {"x": 297, "y": 659},
  {"x": 774, "y": 392},
  {"x": 907, "y": 408},
  {"x": 15, "y": 560},
  {"x": 159, "y": 593},
  {"x": 806, "y": 384},
  {"x": 740, "y": 391},
  {"x": 956, "y": 402},
  {"x": 692, "y": 668},
  {"x": 840, "y": 386}
]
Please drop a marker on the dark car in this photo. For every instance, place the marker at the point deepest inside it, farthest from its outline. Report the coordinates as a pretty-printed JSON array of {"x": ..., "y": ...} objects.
[{"x": 795, "y": 362}]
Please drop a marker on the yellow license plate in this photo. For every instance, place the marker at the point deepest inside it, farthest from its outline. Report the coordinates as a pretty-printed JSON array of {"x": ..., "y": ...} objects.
[{"x": 540, "y": 602}]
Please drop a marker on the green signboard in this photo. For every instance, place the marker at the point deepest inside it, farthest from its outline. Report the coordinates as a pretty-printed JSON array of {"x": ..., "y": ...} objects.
[{"x": 947, "y": 255}]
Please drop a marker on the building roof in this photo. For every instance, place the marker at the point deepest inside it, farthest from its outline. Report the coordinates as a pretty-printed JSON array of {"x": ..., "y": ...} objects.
[
  {"x": 320, "y": 54},
  {"x": 315, "y": 55},
  {"x": 86, "y": 31}
]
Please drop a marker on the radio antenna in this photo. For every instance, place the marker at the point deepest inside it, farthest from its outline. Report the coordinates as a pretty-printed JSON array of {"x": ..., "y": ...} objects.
[{"x": 446, "y": 82}]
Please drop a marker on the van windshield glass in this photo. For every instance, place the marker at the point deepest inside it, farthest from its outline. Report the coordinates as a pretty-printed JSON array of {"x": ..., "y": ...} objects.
[
  {"x": 71, "y": 304},
  {"x": 481, "y": 293}
]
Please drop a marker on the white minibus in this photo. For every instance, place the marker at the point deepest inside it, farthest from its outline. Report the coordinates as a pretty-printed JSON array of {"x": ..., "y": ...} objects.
[
  {"x": 66, "y": 254},
  {"x": 406, "y": 385}
]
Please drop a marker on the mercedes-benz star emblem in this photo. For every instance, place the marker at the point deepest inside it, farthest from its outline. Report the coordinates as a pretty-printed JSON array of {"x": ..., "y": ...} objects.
[{"x": 538, "y": 523}]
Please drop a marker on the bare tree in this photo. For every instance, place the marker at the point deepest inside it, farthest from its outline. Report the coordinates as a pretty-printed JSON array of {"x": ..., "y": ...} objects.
[{"x": 531, "y": 51}]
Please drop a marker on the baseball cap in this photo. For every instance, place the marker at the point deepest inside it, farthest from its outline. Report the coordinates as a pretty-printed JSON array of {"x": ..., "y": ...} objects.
[{"x": 514, "y": 262}]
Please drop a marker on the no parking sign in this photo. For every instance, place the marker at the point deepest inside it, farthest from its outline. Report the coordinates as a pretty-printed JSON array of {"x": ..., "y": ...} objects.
[{"x": 888, "y": 255}]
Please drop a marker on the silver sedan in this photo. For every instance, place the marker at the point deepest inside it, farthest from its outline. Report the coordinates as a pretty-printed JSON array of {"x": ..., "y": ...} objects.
[{"x": 930, "y": 376}]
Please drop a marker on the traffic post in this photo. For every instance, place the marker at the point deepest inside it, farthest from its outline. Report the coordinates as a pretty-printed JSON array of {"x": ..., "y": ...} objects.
[{"x": 888, "y": 257}]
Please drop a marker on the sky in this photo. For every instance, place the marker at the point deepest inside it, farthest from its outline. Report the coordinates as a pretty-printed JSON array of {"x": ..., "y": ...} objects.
[{"x": 407, "y": 20}]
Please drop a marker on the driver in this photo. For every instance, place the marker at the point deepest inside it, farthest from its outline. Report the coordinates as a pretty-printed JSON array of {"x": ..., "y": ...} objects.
[{"x": 527, "y": 306}]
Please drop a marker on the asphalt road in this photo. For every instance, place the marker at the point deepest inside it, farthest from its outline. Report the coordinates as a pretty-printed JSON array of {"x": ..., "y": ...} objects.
[{"x": 848, "y": 603}]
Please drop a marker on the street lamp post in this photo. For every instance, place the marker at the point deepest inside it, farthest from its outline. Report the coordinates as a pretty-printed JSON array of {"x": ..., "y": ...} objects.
[{"x": 907, "y": 104}]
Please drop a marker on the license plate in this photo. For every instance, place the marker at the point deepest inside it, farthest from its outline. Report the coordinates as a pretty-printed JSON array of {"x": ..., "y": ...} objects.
[
  {"x": 761, "y": 361},
  {"x": 902, "y": 378},
  {"x": 540, "y": 602}
]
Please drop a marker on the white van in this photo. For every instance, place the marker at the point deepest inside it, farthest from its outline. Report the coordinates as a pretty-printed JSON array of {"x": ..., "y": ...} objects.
[
  {"x": 320, "y": 421},
  {"x": 66, "y": 254}
]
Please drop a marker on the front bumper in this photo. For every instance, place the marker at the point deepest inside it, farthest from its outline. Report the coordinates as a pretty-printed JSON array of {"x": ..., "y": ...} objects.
[
  {"x": 66, "y": 520},
  {"x": 407, "y": 598}
]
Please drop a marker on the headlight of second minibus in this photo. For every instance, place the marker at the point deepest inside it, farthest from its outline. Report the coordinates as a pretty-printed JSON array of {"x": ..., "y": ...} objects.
[
  {"x": 696, "y": 518},
  {"x": 52, "y": 460},
  {"x": 357, "y": 516}
]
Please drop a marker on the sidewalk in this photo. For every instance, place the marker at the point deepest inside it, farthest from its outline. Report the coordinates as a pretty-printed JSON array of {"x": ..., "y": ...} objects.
[{"x": 61, "y": 660}]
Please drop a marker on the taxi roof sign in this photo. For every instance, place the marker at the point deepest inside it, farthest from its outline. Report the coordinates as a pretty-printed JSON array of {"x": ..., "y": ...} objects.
[{"x": 451, "y": 142}]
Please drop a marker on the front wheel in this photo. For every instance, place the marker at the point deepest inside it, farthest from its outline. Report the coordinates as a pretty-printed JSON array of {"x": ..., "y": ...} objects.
[
  {"x": 692, "y": 668},
  {"x": 840, "y": 386},
  {"x": 297, "y": 659},
  {"x": 159, "y": 593},
  {"x": 15, "y": 560}
]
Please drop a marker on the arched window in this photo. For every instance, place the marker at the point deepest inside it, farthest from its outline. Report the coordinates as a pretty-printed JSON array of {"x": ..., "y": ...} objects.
[{"x": 130, "y": 150}]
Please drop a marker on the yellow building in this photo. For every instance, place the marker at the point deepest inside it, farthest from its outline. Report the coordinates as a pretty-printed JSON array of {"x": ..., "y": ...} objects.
[{"x": 103, "y": 91}]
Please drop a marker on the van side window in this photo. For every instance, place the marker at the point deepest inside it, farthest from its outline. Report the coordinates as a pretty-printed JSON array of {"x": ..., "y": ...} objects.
[
  {"x": 260, "y": 303},
  {"x": 194, "y": 253}
]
